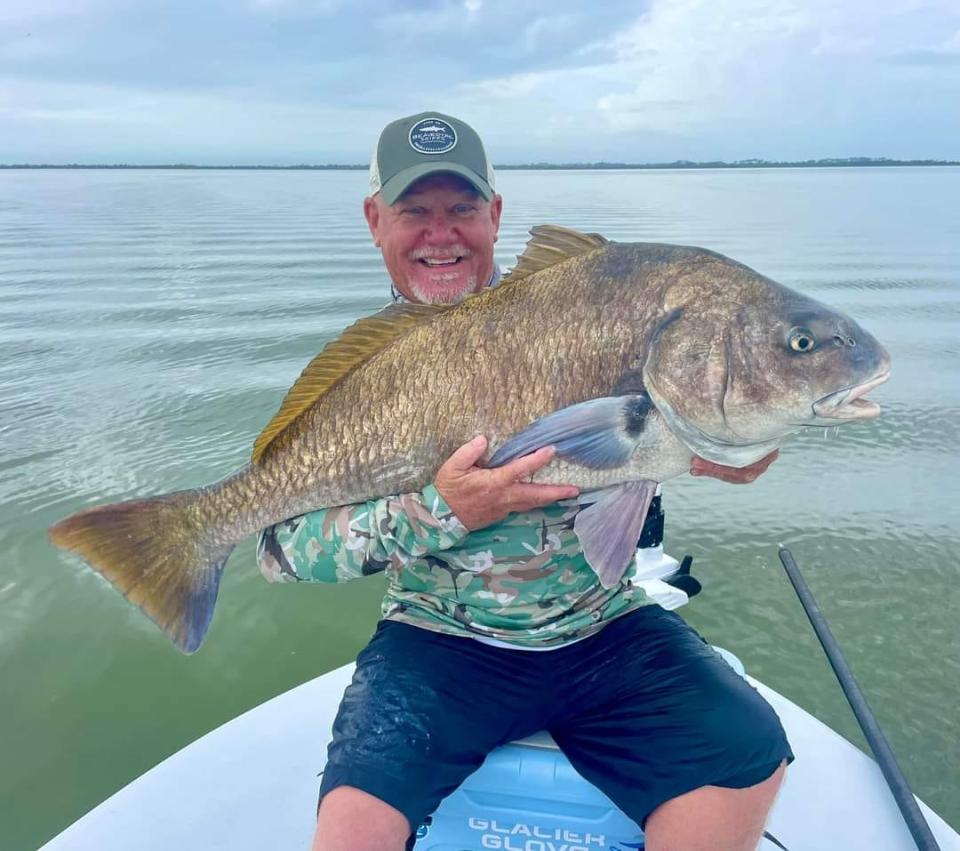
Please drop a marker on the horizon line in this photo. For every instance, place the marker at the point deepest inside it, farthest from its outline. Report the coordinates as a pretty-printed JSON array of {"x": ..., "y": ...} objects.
[{"x": 834, "y": 162}]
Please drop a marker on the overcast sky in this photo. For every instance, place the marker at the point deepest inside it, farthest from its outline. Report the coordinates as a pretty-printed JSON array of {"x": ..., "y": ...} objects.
[{"x": 313, "y": 81}]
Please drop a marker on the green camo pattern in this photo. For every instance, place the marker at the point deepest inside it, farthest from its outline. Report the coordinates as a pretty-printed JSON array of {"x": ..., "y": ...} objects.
[{"x": 523, "y": 581}]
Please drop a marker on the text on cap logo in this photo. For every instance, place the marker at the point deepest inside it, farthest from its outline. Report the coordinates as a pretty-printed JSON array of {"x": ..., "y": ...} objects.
[{"x": 432, "y": 136}]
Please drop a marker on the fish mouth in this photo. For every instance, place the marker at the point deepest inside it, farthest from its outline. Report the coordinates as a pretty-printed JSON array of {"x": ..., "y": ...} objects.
[{"x": 849, "y": 403}]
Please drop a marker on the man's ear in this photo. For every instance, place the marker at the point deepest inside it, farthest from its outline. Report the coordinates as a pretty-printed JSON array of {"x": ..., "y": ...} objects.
[
  {"x": 371, "y": 212},
  {"x": 496, "y": 210}
]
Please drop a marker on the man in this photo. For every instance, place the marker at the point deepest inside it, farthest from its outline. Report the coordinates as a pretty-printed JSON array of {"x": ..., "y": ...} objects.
[{"x": 485, "y": 570}]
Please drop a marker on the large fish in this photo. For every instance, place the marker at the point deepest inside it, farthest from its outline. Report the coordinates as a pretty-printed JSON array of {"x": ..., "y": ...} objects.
[{"x": 629, "y": 358}]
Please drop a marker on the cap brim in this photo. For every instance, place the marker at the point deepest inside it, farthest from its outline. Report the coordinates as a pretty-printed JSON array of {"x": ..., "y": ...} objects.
[{"x": 403, "y": 180}]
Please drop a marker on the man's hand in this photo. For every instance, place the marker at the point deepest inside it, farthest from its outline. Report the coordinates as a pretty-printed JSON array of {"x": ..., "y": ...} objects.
[
  {"x": 734, "y": 475},
  {"x": 481, "y": 496}
]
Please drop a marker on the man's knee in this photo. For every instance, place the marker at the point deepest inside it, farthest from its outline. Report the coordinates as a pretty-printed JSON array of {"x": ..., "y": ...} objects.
[
  {"x": 714, "y": 818},
  {"x": 764, "y": 793},
  {"x": 350, "y": 819}
]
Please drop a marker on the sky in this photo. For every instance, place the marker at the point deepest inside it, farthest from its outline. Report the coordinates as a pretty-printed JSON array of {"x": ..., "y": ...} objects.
[{"x": 286, "y": 82}]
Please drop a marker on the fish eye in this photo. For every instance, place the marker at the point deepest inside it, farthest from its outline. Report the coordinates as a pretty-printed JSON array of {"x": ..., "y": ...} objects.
[{"x": 802, "y": 340}]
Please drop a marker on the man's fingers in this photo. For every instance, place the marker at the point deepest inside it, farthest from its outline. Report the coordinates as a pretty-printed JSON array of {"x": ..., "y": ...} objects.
[
  {"x": 524, "y": 497},
  {"x": 767, "y": 460},
  {"x": 466, "y": 456},
  {"x": 753, "y": 471},
  {"x": 481, "y": 496},
  {"x": 526, "y": 466},
  {"x": 734, "y": 475}
]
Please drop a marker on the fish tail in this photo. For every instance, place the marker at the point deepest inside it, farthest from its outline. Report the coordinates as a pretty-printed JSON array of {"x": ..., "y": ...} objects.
[{"x": 159, "y": 554}]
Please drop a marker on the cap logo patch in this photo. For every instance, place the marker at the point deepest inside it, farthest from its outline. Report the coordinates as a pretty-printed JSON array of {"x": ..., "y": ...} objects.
[{"x": 432, "y": 136}]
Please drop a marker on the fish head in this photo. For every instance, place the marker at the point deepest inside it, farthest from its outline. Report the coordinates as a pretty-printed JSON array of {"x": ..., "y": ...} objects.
[
  {"x": 801, "y": 363},
  {"x": 733, "y": 379}
]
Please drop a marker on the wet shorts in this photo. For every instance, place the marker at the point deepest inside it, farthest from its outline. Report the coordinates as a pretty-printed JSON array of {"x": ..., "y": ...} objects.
[{"x": 645, "y": 710}]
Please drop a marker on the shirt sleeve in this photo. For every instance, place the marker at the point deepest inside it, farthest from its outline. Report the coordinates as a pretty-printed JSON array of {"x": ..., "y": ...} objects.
[{"x": 350, "y": 541}]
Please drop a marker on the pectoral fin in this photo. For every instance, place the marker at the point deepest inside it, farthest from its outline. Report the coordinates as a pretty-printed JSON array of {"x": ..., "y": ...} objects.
[
  {"x": 600, "y": 433},
  {"x": 609, "y": 529}
]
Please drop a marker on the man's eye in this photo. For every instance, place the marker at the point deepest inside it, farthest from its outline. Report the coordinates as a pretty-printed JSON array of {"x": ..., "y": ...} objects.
[
  {"x": 464, "y": 209},
  {"x": 414, "y": 211}
]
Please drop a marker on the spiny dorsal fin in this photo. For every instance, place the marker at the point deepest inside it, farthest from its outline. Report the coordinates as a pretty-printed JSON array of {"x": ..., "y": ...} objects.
[
  {"x": 340, "y": 357},
  {"x": 550, "y": 245}
]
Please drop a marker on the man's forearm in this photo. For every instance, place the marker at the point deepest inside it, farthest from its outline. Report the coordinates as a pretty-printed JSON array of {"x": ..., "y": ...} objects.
[{"x": 350, "y": 541}]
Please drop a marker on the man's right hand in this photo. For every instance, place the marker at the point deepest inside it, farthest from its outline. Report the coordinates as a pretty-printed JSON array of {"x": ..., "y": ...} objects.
[{"x": 480, "y": 496}]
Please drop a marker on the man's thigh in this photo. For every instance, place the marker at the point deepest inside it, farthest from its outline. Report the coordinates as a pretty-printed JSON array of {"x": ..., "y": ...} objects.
[
  {"x": 676, "y": 717},
  {"x": 422, "y": 712}
]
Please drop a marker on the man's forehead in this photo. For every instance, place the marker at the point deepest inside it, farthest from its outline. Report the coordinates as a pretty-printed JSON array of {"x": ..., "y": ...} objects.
[{"x": 440, "y": 182}]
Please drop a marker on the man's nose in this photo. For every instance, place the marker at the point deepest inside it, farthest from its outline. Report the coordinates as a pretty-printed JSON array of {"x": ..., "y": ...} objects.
[{"x": 441, "y": 229}]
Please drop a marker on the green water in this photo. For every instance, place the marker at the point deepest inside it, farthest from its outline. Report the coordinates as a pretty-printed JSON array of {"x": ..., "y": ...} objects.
[{"x": 150, "y": 323}]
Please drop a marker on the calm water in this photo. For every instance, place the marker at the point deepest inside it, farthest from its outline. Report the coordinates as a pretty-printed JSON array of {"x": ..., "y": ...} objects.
[{"x": 150, "y": 323}]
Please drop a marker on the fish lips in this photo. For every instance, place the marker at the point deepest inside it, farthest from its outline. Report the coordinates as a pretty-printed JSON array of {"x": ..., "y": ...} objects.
[{"x": 849, "y": 403}]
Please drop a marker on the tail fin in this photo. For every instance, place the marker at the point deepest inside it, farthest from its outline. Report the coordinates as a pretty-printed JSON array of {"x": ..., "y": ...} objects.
[{"x": 158, "y": 554}]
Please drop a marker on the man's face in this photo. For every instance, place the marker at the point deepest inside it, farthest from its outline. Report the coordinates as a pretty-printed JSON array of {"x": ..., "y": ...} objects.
[{"x": 437, "y": 240}]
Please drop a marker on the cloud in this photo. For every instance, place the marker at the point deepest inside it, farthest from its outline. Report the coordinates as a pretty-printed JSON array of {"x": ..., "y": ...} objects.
[
  {"x": 300, "y": 8},
  {"x": 279, "y": 80},
  {"x": 935, "y": 58},
  {"x": 946, "y": 52},
  {"x": 548, "y": 28}
]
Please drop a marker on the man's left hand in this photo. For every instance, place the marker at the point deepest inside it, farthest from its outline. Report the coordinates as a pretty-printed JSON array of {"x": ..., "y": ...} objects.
[{"x": 735, "y": 475}]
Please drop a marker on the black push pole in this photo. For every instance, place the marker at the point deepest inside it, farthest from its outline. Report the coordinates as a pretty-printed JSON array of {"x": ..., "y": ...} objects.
[{"x": 917, "y": 824}]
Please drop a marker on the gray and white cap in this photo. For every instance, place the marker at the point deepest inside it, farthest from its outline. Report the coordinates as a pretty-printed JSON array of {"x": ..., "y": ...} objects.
[{"x": 428, "y": 143}]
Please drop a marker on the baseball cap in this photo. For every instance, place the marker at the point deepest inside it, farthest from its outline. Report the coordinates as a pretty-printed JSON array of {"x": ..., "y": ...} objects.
[{"x": 428, "y": 143}]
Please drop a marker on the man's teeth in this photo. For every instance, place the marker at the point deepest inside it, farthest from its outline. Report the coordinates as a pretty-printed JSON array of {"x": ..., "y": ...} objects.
[{"x": 447, "y": 262}]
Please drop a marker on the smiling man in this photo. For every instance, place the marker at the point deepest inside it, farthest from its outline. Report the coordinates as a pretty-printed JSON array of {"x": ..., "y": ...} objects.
[
  {"x": 436, "y": 229},
  {"x": 493, "y": 625}
]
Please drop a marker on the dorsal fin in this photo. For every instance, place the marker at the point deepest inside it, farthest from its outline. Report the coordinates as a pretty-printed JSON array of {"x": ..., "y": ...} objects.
[
  {"x": 550, "y": 245},
  {"x": 340, "y": 357}
]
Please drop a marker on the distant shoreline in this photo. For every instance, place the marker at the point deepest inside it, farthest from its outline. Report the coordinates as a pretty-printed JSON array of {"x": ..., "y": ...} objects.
[{"x": 848, "y": 162}]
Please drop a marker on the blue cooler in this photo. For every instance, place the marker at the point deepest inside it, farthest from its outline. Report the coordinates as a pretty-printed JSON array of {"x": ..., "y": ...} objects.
[{"x": 527, "y": 797}]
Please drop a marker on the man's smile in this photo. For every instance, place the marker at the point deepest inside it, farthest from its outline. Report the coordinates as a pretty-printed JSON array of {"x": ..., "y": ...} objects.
[
  {"x": 434, "y": 258},
  {"x": 434, "y": 263}
]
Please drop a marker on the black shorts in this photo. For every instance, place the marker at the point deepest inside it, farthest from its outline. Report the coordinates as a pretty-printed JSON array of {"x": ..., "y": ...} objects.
[{"x": 645, "y": 710}]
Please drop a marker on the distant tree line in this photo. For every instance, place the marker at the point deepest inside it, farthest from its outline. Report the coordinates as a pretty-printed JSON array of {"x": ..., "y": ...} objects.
[{"x": 826, "y": 162}]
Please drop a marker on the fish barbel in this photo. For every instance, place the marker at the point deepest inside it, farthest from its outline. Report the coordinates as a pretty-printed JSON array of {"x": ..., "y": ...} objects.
[{"x": 629, "y": 358}]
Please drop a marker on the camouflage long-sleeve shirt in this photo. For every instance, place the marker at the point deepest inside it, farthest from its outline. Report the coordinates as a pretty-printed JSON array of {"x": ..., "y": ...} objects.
[{"x": 523, "y": 581}]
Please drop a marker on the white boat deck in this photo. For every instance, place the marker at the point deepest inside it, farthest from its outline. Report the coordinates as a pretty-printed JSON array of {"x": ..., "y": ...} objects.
[{"x": 252, "y": 784}]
